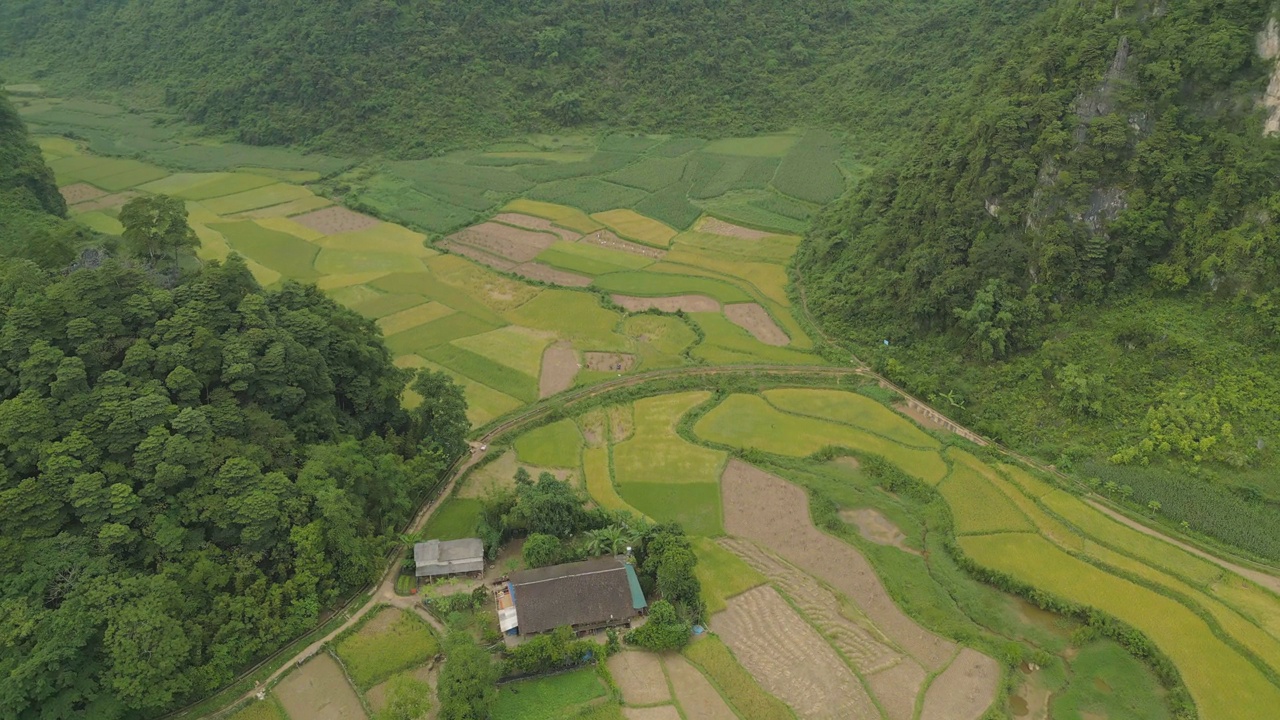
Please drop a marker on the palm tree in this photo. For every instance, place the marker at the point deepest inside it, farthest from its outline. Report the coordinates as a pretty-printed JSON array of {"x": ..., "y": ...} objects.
[{"x": 612, "y": 539}]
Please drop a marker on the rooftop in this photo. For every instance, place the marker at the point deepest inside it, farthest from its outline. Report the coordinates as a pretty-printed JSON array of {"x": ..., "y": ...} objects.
[
  {"x": 435, "y": 552},
  {"x": 591, "y": 592}
]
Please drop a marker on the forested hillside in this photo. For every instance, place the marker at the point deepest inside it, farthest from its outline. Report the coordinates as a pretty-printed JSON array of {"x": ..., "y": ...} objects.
[
  {"x": 421, "y": 76},
  {"x": 190, "y": 472},
  {"x": 1081, "y": 255}
]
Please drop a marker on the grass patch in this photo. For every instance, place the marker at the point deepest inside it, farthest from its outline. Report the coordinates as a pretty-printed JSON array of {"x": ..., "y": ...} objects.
[
  {"x": 457, "y": 518},
  {"x": 601, "y": 163},
  {"x": 267, "y": 709},
  {"x": 634, "y": 226},
  {"x": 287, "y": 254},
  {"x": 549, "y": 698},
  {"x": 483, "y": 402},
  {"x": 101, "y": 222},
  {"x": 382, "y": 238},
  {"x": 762, "y": 146},
  {"x": 695, "y": 505},
  {"x": 371, "y": 656},
  {"x": 853, "y": 409},
  {"x": 513, "y": 346},
  {"x": 671, "y": 206},
  {"x": 575, "y": 316},
  {"x": 413, "y": 317},
  {"x": 566, "y": 217},
  {"x": 217, "y": 185},
  {"x": 1109, "y": 683},
  {"x": 591, "y": 259},
  {"x": 728, "y": 344},
  {"x": 734, "y": 682},
  {"x": 595, "y": 466},
  {"x": 342, "y": 262},
  {"x": 660, "y": 339},
  {"x": 976, "y": 505},
  {"x": 378, "y": 305},
  {"x": 436, "y": 333},
  {"x": 656, "y": 454},
  {"x": 257, "y": 198},
  {"x": 650, "y": 174},
  {"x": 589, "y": 194},
  {"x": 809, "y": 171},
  {"x": 722, "y": 574},
  {"x": 556, "y": 445},
  {"x": 1216, "y": 675},
  {"x": 483, "y": 370},
  {"x": 655, "y": 284},
  {"x": 747, "y": 421}
]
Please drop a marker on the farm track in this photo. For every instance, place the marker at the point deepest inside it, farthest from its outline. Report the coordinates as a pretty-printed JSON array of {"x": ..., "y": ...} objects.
[{"x": 383, "y": 591}]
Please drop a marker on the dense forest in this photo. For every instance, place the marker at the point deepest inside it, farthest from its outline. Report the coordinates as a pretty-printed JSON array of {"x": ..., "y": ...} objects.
[
  {"x": 357, "y": 75},
  {"x": 1080, "y": 256},
  {"x": 192, "y": 469}
]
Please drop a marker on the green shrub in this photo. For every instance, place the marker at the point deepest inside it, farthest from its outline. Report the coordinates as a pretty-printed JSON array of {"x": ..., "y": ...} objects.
[{"x": 664, "y": 630}]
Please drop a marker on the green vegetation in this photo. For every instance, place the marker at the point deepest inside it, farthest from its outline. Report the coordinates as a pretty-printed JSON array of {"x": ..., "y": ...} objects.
[
  {"x": 554, "y": 445},
  {"x": 1108, "y": 682},
  {"x": 654, "y": 454},
  {"x": 809, "y": 170},
  {"x": 268, "y": 709},
  {"x": 371, "y": 657},
  {"x": 408, "y": 698},
  {"x": 658, "y": 284},
  {"x": 551, "y": 698},
  {"x": 722, "y": 574},
  {"x": 456, "y": 518}
]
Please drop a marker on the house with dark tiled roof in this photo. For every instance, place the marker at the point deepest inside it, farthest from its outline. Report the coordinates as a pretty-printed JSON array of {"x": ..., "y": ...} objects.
[{"x": 584, "y": 596}]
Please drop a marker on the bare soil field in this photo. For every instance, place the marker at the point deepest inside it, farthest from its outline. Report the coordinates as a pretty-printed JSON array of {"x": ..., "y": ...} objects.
[
  {"x": 926, "y": 420},
  {"x": 964, "y": 690},
  {"x": 105, "y": 202},
  {"x": 505, "y": 241},
  {"x": 697, "y": 697},
  {"x": 606, "y": 239},
  {"x": 662, "y": 712},
  {"x": 480, "y": 256},
  {"x": 820, "y": 607},
  {"x": 548, "y": 274},
  {"x": 756, "y": 320},
  {"x": 80, "y": 192},
  {"x": 536, "y": 223},
  {"x": 774, "y": 513},
  {"x": 877, "y": 528},
  {"x": 559, "y": 367},
  {"x": 789, "y": 658},
  {"x": 716, "y": 226},
  {"x": 639, "y": 677},
  {"x": 319, "y": 691},
  {"x": 898, "y": 688},
  {"x": 687, "y": 303},
  {"x": 609, "y": 362},
  {"x": 336, "y": 219}
]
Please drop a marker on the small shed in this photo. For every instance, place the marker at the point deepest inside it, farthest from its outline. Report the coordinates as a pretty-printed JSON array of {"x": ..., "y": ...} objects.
[
  {"x": 585, "y": 596},
  {"x": 435, "y": 558}
]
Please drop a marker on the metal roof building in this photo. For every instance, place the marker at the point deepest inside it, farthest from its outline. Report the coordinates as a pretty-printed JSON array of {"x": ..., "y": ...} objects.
[{"x": 434, "y": 558}]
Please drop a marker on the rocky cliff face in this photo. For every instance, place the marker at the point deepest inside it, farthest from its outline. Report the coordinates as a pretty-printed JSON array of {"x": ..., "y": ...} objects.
[{"x": 1269, "y": 49}]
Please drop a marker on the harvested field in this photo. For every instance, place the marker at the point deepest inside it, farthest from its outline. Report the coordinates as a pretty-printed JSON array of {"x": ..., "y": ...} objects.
[
  {"x": 924, "y": 419},
  {"x": 639, "y": 677},
  {"x": 536, "y": 223},
  {"x": 478, "y": 255},
  {"x": 319, "y": 691},
  {"x": 757, "y": 321},
  {"x": 548, "y": 274},
  {"x": 716, "y": 226},
  {"x": 687, "y": 303},
  {"x": 559, "y": 367},
  {"x": 696, "y": 696},
  {"x": 764, "y": 508},
  {"x": 877, "y": 528},
  {"x": 964, "y": 690},
  {"x": 336, "y": 219},
  {"x": 820, "y": 607},
  {"x": 505, "y": 241},
  {"x": 105, "y": 202},
  {"x": 662, "y": 712},
  {"x": 789, "y": 658},
  {"x": 622, "y": 423},
  {"x": 898, "y": 688},
  {"x": 607, "y": 239},
  {"x": 609, "y": 362},
  {"x": 80, "y": 192}
]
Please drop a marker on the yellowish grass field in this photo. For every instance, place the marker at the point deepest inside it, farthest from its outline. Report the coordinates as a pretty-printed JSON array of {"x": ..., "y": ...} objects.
[
  {"x": 656, "y": 454},
  {"x": 977, "y": 506},
  {"x": 562, "y": 215},
  {"x": 413, "y": 317},
  {"x": 634, "y": 226},
  {"x": 853, "y": 409},
  {"x": 516, "y": 347}
]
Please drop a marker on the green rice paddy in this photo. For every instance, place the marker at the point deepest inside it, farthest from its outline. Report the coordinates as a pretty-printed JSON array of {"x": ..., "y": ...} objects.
[
  {"x": 556, "y": 445},
  {"x": 550, "y": 698}
]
